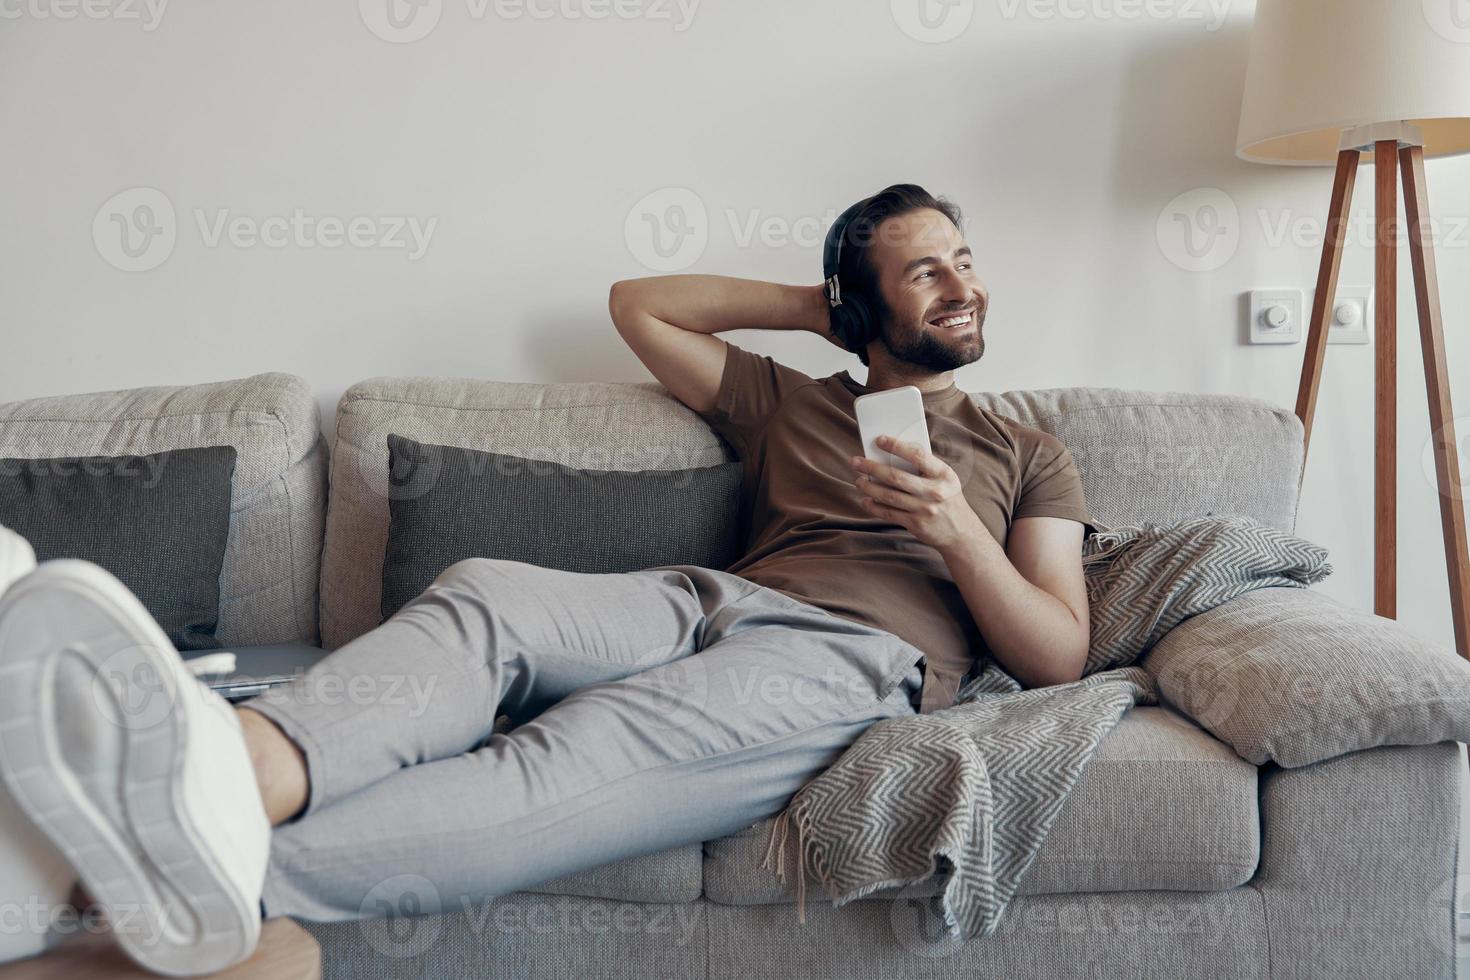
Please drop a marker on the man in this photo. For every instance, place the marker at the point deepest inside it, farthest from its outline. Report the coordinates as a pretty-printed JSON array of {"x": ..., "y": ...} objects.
[{"x": 653, "y": 708}]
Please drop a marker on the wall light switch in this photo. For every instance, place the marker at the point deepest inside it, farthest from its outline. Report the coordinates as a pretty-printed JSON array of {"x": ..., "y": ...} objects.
[
  {"x": 1275, "y": 316},
  {"x": 1351, "y": 320}
]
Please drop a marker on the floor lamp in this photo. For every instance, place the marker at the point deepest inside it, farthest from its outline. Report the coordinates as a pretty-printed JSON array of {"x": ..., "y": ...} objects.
[{"x": 1383, "y": 82}]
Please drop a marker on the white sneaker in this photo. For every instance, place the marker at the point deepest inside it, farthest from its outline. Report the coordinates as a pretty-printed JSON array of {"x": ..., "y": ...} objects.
[
  {"x": 35, "y": 880},
  {"x": 17, "y": 558},
  {"x": 134, "y": 770}
]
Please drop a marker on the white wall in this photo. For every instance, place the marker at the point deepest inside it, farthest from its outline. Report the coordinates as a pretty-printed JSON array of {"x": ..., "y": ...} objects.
[{"x": 529, "y": 141}]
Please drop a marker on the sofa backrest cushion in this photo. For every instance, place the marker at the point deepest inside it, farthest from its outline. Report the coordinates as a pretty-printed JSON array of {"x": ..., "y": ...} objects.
[
  {"x": 1143, "y": 455},
  {"x": 1164, "y": 456},
  {"x": 269, "y": 575}
]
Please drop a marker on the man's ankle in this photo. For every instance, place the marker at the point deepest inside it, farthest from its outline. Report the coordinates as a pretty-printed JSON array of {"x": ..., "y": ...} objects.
[{"x": 279, "y": 763}]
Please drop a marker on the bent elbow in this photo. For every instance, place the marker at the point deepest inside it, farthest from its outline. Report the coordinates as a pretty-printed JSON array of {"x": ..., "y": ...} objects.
[
  {"x": 1067, "y": 669},
  {"x": 617, "y": 299}
]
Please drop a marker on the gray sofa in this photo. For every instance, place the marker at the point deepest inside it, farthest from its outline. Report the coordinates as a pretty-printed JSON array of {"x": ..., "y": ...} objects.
[{"x": 1173, "y": 857}]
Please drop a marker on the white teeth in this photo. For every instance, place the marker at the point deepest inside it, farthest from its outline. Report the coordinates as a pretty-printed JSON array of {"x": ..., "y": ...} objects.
[{"x": 954, "y": 321}]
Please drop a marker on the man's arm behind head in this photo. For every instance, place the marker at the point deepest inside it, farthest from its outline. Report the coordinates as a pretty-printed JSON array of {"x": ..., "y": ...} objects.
[{"x": 668, "y": 321}]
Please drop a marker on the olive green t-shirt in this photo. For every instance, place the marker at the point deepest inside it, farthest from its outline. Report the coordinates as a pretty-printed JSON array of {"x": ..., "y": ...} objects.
[{"x": 805, "y": 534}]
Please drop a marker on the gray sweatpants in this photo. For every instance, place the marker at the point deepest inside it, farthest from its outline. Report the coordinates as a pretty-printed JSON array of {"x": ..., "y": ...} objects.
[{"x": 650, "y": 709}]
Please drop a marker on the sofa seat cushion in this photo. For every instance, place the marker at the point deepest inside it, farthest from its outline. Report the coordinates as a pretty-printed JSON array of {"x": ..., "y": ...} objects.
[
  {"x": 1162, "y": 805},
  {"x": 669, "y": 876}
]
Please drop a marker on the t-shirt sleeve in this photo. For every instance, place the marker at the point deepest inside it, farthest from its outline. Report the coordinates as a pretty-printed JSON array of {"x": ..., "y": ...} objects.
[
  {"x": 1051, "y": 484},
  {"x": 751, "y": 388}
]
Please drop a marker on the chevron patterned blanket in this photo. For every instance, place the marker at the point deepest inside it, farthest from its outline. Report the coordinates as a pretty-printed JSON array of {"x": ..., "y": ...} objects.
[{"x": 967, "y": 795}]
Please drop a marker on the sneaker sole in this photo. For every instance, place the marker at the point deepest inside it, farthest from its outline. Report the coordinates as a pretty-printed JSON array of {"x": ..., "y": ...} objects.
[{"x": 156, "y": 866}]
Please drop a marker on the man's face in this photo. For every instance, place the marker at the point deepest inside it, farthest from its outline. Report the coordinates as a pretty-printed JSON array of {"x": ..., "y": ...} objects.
[{"x": 936, "y": 303}]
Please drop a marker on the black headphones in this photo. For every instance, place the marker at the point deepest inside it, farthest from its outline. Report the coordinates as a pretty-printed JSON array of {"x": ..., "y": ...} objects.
[{"x": 852, "y": 321}]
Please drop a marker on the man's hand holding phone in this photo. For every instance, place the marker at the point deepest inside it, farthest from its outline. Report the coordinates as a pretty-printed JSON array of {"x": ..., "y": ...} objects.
[{"x": 930, "y": 503}]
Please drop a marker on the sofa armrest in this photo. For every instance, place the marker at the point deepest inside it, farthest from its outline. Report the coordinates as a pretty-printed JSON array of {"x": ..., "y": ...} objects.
[
  {"x": 1358, "y": 855},
  {"x": 1293, "y": 676}
]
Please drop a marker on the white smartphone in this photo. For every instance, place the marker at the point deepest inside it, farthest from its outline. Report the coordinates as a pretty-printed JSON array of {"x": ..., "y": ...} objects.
[{"x": 897, "y": 412}]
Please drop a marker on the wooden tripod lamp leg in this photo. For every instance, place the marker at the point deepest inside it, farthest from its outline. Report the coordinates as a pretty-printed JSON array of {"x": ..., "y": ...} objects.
[
  {"x": 1332, "y": 241},
  {"x": 1436, "y": 383},
  {"x": 1385, "y": 378}
]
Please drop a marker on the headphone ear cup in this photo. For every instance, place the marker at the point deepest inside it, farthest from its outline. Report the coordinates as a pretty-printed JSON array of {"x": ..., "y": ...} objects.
[
  {"x": 838, "y": 318},
  {"x": 853, "y": 323}
]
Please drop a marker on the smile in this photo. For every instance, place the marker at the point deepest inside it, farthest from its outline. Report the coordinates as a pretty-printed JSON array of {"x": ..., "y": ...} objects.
[{"x": 954, "y": 322}]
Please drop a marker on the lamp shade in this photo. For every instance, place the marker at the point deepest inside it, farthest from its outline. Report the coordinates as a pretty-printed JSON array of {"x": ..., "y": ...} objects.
[{"x": 1318, "y": 67}]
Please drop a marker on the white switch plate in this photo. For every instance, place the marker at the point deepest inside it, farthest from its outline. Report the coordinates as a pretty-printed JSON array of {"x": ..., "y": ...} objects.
[
  {"x": 1360, "y": 332},
  {"x": 1262, "y": 300}
]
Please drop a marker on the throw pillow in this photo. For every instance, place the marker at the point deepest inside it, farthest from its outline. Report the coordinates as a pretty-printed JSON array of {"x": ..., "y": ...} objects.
[
  {"x": 1294, "y": 676},
  {"x": 158, "y": 522},
  {"x": 447, "y": 503}
]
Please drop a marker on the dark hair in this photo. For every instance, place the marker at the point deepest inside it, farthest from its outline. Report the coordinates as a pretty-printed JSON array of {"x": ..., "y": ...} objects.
[{"x": 856, "y": 269}]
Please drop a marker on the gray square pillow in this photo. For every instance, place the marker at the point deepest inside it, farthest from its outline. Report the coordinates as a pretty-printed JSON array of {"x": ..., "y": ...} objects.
[
  {"x": 158, "y": 522},
  {"x": 1293, "y": 676},
  {"x": 446, "y": 504}
]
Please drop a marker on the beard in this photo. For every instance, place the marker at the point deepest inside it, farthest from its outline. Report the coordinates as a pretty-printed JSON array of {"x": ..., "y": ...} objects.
[{"x": 929, "y": 347}]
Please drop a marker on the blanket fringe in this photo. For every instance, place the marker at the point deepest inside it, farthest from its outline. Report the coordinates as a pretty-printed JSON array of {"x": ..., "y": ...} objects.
[{"x": 776, "y": 847}]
